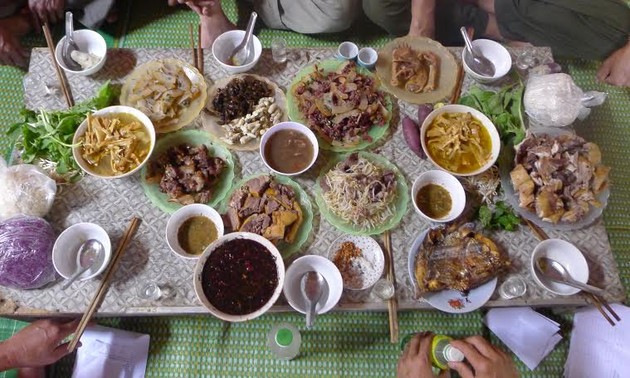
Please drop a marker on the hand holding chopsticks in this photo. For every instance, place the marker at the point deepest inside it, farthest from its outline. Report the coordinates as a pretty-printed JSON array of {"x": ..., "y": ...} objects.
[{"x": 102, "y": 290}]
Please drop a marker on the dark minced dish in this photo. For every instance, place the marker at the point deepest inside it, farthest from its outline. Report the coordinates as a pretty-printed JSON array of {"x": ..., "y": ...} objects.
[
  {"x": 239, "y": 277},
  {"x": 239, "y": 97}
]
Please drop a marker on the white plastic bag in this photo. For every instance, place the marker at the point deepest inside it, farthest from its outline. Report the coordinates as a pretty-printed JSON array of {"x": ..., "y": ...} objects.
[
  {"x": 25, "y": 189},
  {"x": 554, "y": 100}
]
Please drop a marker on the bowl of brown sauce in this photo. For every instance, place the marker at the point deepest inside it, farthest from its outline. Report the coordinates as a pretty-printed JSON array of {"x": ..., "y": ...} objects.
[
  {"x": 239, "y": 276},
  {"x": 438, "y": 196},
  {"x": 289, "y": 148},
  {"x": 192, "y": 228}
]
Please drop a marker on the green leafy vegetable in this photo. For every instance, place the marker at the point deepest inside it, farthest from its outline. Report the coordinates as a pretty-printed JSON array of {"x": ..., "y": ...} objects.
[
  {"x": 502, "y": 107},
  {"x": 503, "y": 217},
  {"x": 46, "y": 136}
]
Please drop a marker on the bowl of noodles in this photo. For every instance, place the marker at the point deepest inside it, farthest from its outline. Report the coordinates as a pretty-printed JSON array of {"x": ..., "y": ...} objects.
[
  {"x": 362, "y": 194},
  {"x": 460, "y": 140}
]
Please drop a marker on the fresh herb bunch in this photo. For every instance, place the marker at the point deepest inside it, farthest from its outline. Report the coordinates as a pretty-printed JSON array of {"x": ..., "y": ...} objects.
[
  {"x": 46, "y": 136},
  {"x": 503, "y": 217},
  {"x": 504, "y": 108}
]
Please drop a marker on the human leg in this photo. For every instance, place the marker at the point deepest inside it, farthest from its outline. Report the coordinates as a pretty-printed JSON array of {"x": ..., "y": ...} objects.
[
  {"x": 12, "y": 28},
  {"x": 318, "y": 16},
  {"x": 91, "y": 13},
  {"x": 394, "y": 16}
]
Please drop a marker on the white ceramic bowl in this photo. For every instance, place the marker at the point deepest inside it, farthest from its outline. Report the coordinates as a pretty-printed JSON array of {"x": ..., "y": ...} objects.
[
  {"x": 566, "y": 254},
  {"x": 226, "y": 43},
  {"x": 202, "y": 262},
  {"x": 67, "y": 246},
  {"x": 367, "y": 57},
  {"x": 327, "y": 269},
  {"x": 372, "y": 255},
  {"x": 76, "y": 150},
  {"x": 448, "y": 182},
  {"x": 494, "y": 52},
  {"x": 485, "y": 121},
  {"x": 180, "y": 216},
  {"x": 88, "y": 41},
  {"x": 289, "y": 125},
  {"x": 347, "y": 50}
]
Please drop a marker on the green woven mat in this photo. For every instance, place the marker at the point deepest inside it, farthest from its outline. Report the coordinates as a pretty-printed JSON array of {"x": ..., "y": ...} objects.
[{"x": 342, "y": 344}]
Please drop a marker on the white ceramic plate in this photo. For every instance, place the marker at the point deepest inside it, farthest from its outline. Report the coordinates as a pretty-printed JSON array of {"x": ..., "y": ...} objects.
[
  {"x": 452, "y": 301},
  {"x": 372, "y": 254},
  {"x": 67, "y": 246},
  {"x": 568, "y": 256},
  {"x": 326, "y": 268}
]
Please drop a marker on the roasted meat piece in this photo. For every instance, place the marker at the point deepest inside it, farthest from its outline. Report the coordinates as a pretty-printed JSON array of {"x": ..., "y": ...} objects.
[{"x": 418, "y": 71}]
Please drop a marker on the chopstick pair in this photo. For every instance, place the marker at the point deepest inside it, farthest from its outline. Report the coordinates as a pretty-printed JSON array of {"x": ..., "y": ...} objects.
[
  {"x": 65, "y": 87},
  {"x": 102, "y": 289},
  {"x": 392, "y": 303},
  {"x": 197, "y": 52},
  {"x": 597, "y": 301}
]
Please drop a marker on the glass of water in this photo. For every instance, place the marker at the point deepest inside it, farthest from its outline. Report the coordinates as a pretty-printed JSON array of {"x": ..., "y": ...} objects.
[
  {"x": 384, "y": 289},
  {"x": 513, "y": 287},
  {"x": 279, "y": 50},
  {"x": 152, "y": 291}
]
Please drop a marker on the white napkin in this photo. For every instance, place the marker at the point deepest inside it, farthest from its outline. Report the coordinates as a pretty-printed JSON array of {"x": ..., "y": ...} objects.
[
  {"x": 597, "y": 348},
  {"x": 530, "y": 335},
  {"x": 111, "y": 353}
]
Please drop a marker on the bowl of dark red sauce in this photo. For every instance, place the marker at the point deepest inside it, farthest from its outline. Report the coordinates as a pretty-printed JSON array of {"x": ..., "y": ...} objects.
[{"x": 239, "y": 276}]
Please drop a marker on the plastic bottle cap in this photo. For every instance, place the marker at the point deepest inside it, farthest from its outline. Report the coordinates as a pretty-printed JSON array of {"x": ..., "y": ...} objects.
[
  {"x": 284, "y": 337},
  {"x": 453, "y": 354}
]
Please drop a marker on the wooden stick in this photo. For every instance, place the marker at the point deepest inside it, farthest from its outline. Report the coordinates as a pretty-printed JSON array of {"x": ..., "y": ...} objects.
[
  {"x": 392, "y": 303},
  {"x": 65, "y": 88},
  {"x": 192, "y": 45},
  {"x": 610, "y": 309},
  {"x": 458, "y": 87},
  {"x": 199, "y": 51},
  {"x": 539, "y": 232},
  {"x": 102, "y": 290},
  {"x": 596, "y": 302}
]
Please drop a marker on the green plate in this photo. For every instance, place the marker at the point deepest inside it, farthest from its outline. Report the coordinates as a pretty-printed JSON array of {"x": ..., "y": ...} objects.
[
  {"x": 376, "y": 132},
  {"x": 303, "y": 233},
  {"x": 401, "y": 203},
  {"x": 195, "y": 138}
]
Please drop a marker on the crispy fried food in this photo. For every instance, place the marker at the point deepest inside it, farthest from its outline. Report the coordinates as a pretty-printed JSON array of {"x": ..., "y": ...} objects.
[{"x": 418, "y": 71}]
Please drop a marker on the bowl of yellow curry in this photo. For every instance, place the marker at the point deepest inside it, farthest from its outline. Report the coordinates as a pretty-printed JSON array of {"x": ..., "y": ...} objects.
[
  {"x": 460, "y": 140},
  {"x": 113, "y": 142}
]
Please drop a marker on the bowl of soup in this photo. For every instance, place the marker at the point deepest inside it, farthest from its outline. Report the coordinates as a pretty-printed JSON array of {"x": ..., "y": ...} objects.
[
  {"x": 192, "y": 228},
  {"x": 113, "y": 142},
  {"x": 239, "y": 276},
  {"x": 289, "y": 148},
  {"x": 438, "y": 196},
  {"x": 460, "y": 140}
]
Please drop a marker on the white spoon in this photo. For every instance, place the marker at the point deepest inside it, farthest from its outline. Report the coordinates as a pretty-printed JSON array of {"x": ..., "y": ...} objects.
[
  {"x": 312, "y": 286},
  {"x": 89, "y": 253}
]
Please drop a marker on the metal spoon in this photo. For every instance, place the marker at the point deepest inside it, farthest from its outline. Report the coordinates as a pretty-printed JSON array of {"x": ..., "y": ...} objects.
[
  {"x": 312, "y": 286},
  {"x": 475, "y": 60},
  {"x": 240, "y": 54},
  {"x": 69, "y": 45},
  {"x": 555, "y": 271},
  {"x": 88, "y": 254}
]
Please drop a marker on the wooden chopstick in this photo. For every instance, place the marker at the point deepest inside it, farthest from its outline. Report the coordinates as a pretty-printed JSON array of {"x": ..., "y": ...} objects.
[
  {"x": 199, "y": 51},
  {"x": 102, "y": 290},
  {"x": 392, "y": 303},
  {"x": 596, "y": 300},
  {"x": 192, "y": 45},
  {"x": 458, "y": 87},
  {"x": 65, "y": 88}
]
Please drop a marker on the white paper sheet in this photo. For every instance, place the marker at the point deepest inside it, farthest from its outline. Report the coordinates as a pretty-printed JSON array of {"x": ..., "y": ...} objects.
[
  {"x": 597, "y": 348},
  {"x": 530, "y": 335},
  {"x": 111, "y": 353}
]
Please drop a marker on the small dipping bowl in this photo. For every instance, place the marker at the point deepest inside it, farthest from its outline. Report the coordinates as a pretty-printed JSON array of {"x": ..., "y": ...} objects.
[
  {"x": 182, "y": 215},
  {"x": 567, "y": 255},
  {"x": 367, "y": 57},
  {"x": 67, "y": 245},
  {"x": 332, "y": 292},
  {"x": 373, "y": 262},
  {"x": 447, "y": 181},
  {"x": 88, "y": 41},
  {"x": 223, "y": 46},
  {"x": 296, "y": 127},
  {"x": 347, "y": 50},
  {"x": 494, "y": 52}
]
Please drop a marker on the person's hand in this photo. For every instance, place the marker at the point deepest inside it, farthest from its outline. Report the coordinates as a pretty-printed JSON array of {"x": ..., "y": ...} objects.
[
  {"x": 50, "y": 11},
  {"x": 39, "y": 344},
  {"x": 11, "y": 51},
  {"x": 486, "y": 360},
  {"x": 615, "y": 70},
  {"x": 202, "y": 7},
  {"x": 414, "y": 361}
]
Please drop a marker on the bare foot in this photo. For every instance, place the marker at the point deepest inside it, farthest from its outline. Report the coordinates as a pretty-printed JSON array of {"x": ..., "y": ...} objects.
[
  {"x": 18, "y": 24},
  {"x": 212, "y": 27}
]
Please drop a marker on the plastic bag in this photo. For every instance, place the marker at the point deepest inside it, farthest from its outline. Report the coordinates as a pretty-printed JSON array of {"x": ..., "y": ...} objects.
[
  {"x": 25, "y": 189},
  {"x": 26, "y": 245},
  {"x": 554, "y": 100}
]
